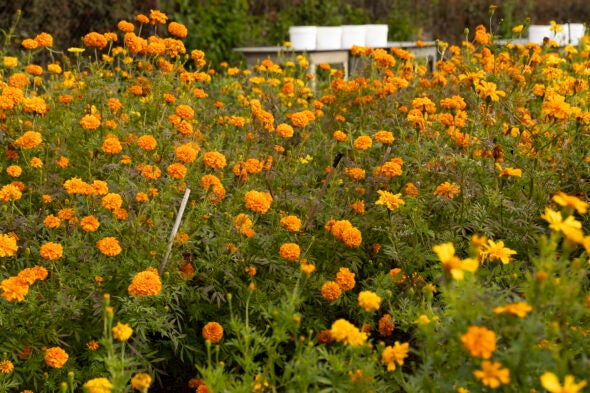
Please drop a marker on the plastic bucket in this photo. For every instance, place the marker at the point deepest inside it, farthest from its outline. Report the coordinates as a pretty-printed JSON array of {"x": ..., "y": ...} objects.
[
  {"x": 538, "y": 32},
  {"x": 353, "y": 35},
  {"x": 376, "y": 36},
  {"x": 303, "y": 37},
  {"x": 329, "y": 37}
]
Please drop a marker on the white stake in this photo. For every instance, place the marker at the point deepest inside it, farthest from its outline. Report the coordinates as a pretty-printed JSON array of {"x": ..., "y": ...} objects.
[{"x": 175, "y": 229}]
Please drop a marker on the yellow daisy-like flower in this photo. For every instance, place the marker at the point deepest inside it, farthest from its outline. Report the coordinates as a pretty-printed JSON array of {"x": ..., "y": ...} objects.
[
  {"x": 551, "y": 383},
  {"x": 122, "y": 331},
  {"x": 492, "y": 375},
  {"x": 394, "y": 356}
]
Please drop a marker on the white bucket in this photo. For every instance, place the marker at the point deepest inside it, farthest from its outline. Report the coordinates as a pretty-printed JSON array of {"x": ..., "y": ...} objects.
[
  {"x": 329, "y": 37},
  {"x": 576, "y": 32},
  {"x": 353, "y": 35},
  {"x": 538, "y": 32},
  {"x": 376, "y": 36},
  {"x": 303, "y": 37}
]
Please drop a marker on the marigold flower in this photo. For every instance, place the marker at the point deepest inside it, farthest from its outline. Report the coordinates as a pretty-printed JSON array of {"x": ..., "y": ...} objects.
[
  {"x": 290, "y": 251},
  {"x": 14, "y": 289},
  {"x": 520, "y": 309},
  {"x": 355, "y": 173},
  {"x": 30, "y": 275},
  {"x": 284, "y": 130},
  {"x": 568, "y": 201},
  {"x": 98, "y": 385},
  {"x": 112, "y": 201},
  {"x": 10, "y": 62},
  {"x": 6, "y": 366},
  {"x": 141, "y": 381},
  {"x": 29, "y": 43},
  {"x": 386, "y": 325},
  {"x": 112, "y": 145},
  {"x": 491, "y": 375},
  {"x": 331, "y": 291},
  {"x": 345, "y": 279},
  {"x": 109, "y": 246},
  {"x": 14, "y": 170},
  {"x": 363, "y": 143},
  {"x": 55, "y": 357},
  {"x": 51, "y": 251},
  {"x": 145, "y": 283},
  {"x": 35, "y": 105},
  {"x": 34, "y": 69},
  {"x": 411, "y": 190},
  {"x": 122, "y": 331},
  {"x": 369, "y": 300},
  {"x": 258, "y": 202},
  {"x": 10, "y": 192},
  {"x": 352, "y": 237},
  {"x": 290, "y": 223},
  {"x": 390, "y": 200},
  {"x": 496, "y": 250},
  {"x": 176, "y": 170},
  {"x": 213, "y": 332},
  {"x": 157, "y": 17},
  {"x": 52, "y": 221},
  {"x": 384, "y": 137},
  {"x": 214, "y": 159},
  {"x": 479, "y": 341},
  {"x": 92, "y": 345},
  {"x": 95, "y": 40},
  {"x": 394, "y": 356},
  {"x": 551, "y": 383},
  {"x": 90, "y": 122},
  {"x": 339, "y": 136},
  {"x": 147, "y": 142},
  {"x": 345, "y": 332},
  {"x": 187, "y": 152},
  {"x": 177, "y": 29},
  {"x": 36, "y": 163},
  {"x": 448, "y": 190}
]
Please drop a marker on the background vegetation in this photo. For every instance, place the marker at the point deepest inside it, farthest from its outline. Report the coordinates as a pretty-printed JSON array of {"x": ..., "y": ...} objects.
[{"x": 266, "y": 22}]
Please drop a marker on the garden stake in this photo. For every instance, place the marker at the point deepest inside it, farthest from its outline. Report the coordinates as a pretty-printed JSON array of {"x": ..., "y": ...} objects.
[
  {"x": 323, "y": 190},
  {"x": 175, "y": 229}
]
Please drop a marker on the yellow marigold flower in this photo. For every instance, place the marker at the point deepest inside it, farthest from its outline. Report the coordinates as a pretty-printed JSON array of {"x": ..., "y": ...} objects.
[
  {"x": 6, "y": 366},
  {"x": 488, "y": 90},
  {"x": 90, "y": 122},
  {"x": 479, "y": 341},
  {"x": 345, "y": 332},
  {"x": 562, "y": 199},
  {"x": 51, "y": 251},
  {"x": 145, "y": 283},
  {"x": 100, "y": 188},
  {"x": 446, "y": 189},
  {"x": 213, "y": 332},
  {"x": 517, "y": 29},
  {"x": 520, "y": 309},
  {"x": 384, "y": 137},
  {"x": 363, "y": 143},
  {"x": 345, "y": 279},
  {"x": 98, "y": 385},
  {"x": 289, "y": 251},
  {"x": 284, "y": 130},
  {"x": 14, "y": 170},
  {"x": 177, "y": 29},
  {"x": 55, "y": 357},
  {"x": 291, "y": 223},
  {"x": 35, "y": 105},
  {"x": 14, "y": 289},
  {"x": 10, "y": 192},
  {"x": 394, "y": 356},
  {"x": 10, "y": 62},
  {"x": 141, "y": 381},
  {"x": 492, "y": 375},
  {"x": 214, "y": 159},
  {"x": 95, "y": 40},
  {"x": 331, "y": 291},
  {"x": 112, "y": 201},
  {"x": 257, "y": 201},
  {"x": 451, "y": 263},
  {"x": 551, "y": 383},
  {"x": 369, "y": 300},
  {"x": 109, "y": 246},
  {"x": 386, "y": 325},
  {"x": 505, "y": 172},
  {"x": 390, "y": 200},
  {"x": 122, "y": 331},
  {"x": 496, "y": 250}
]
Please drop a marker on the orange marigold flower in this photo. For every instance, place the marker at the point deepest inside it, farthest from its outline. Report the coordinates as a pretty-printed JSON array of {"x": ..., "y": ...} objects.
[
  {"x": 284, "y": 130},
  {"x": 109, "y": 246},
  {"x": 214, "y": 159},
  {"x": 145, "y": 283},
  {"x": 358, "y": 207},
  {"x": 448, "y": 190},
  {"x": 90, "y": 122},
  {"x": 14, "y": 170},
  {"x": 258, "y": 202},
  {"x": 35, "y": 105},
  {"x": 56, "y": 357},
  {"x": 213, "y": 332},
  {"x": 177, "y": 29},
  {"x": 10, "y": 192},
  {"x": 6, "y": 366},
  {"x": 34, "y": 69},
  {"x": 345, "y": 279},
  {"x": 95, "y": 40},
  {"x": 355, "y": 173},
  {"x": 290, "y": 251},
  {"x": 339, "y": 136},
  {"x": 125, "y": 27},
  {"x": 52, "y": 221},
  {"x": 384, "y": 137},
  {"x": 352, "y": 237},
  {"x": 51, "y": 251},
  {"x": 112, "y": 145},
  {"x": 386, "y": 325},
  {"x": 44, "y": 40},
  {"x": 14, "y": 289},
  {"x": 147, "y": 142},
  {"x": 29, "y": 43},
  {"x": 176, "y": 170},
  {"x": 112, "y": 201},
  {"x": 411, "y": 190},
  {"x": 331, "y": 291},
  {"x": 185, "y": 112},
  {"x": 187, "y": 152},
  {"x": 479, "y": 341},
  {"x": 290, "y": 223},
  {"x": 92, "y": 345},
  {"x": 492, "y": 375},
  {"x": 157, "y": 17},
  {"x": 363, "y": 143}
]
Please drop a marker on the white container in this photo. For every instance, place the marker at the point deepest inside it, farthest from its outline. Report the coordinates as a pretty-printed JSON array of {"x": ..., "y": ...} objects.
[
  {"x": 376, "y": 36},
  {"x": 303, "y": 37},
  {"x": 538, "y": 32},
  {"x": 329, "y": 37},
  {"x": 576, "y": 32},
  {"x": 353, "y": 35}
]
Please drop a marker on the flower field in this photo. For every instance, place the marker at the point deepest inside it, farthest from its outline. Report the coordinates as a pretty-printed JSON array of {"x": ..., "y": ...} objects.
[{"x": 171, "y": 226}]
